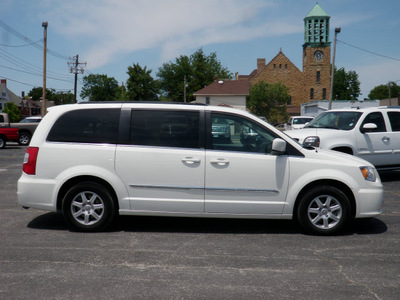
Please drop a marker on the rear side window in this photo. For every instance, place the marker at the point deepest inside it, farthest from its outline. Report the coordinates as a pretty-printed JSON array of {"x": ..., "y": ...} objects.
[
  {"x": 165, "y": 128},
  {"x": 86, "y": 126},
  {"x": 394, "y": 118}
]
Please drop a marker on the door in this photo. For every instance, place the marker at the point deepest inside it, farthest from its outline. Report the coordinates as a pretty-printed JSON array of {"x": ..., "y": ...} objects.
[
  {"x": 162, "y": 165},
  {"x": 242, "y": 176},
  {"x": 376, "y": 145},
  {"x": 394, "y": 118}
]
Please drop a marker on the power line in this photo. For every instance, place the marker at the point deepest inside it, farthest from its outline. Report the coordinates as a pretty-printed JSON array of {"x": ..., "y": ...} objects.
[
  {"x": 17, "y": 46},
  {"x": 26, "y": 65},
  {"x": 374, "y": 53},
  {"x": 32, "y": 43},
  {"x": 24, "y": 83},
  {"x": 36, "y": 74}
]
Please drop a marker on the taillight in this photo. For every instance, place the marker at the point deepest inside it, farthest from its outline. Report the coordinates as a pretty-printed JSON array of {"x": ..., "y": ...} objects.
[{"x": 29, "y": 166}]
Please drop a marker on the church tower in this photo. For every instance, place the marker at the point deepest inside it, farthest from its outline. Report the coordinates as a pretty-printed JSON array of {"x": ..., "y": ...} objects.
[{"x": 316, "y": 54}]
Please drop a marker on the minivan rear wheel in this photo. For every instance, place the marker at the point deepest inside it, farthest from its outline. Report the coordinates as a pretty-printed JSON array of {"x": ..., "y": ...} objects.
[
  {"x": 324, "y": 210},
  {"x": 88, "y": 206}
]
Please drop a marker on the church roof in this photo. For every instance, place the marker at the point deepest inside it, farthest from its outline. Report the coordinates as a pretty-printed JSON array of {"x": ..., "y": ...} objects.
[{"x": 317, "y": 11}]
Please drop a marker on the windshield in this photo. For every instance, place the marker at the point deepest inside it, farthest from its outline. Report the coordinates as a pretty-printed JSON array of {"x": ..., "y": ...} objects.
[
  {"x": 342, "y": 120},
  {"x": 301, "y": 121}
]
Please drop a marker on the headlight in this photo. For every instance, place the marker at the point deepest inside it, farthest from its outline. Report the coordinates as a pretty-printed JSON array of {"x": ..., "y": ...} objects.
[
  {"x": 368, "y": 173},
  {"x": 311, "y": 141}
]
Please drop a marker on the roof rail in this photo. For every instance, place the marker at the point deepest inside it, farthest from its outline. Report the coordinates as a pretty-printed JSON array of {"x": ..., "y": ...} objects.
[{"x": 140, "y": 102}]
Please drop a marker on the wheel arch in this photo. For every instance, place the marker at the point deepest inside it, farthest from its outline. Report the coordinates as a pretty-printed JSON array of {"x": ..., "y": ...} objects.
[
  {"x": 24, "y": 130},
  {"x": 334, "y": 183},
  {"x": 344, "y": 149},
  {"x": 75, "y": 180}
]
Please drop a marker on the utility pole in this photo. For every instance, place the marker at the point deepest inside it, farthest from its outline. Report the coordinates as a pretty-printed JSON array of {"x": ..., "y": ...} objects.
[
  {"x": 44, "y": 25},
  {"x": 184, "y": 88},
  {"x": 74, "y": 67},
  {"x": 337, "y": 30}
]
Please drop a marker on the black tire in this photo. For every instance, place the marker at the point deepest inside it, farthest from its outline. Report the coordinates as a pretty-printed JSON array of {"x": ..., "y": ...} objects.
[
  {"x": 324, "y": 210},
  {"x": 24, "y": 138},
  {"x": 2, "y": 142},
  {"x": 88, "y": 206}
]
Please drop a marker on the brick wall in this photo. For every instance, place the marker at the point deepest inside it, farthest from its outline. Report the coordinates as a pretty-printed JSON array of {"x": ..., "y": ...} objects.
[{"x": 281, "y": 69}]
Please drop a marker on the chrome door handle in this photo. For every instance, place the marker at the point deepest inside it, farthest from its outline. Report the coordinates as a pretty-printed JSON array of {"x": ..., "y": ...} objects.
[
  {"x": 191, "y": 160},
  {"x": 220, "y": 161}
]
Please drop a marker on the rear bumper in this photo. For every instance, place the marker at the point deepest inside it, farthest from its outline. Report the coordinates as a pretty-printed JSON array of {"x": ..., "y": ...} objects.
[{"x": 36, "y": 193}]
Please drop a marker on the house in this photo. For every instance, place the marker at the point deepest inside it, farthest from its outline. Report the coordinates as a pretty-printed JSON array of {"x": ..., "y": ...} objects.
[
  {"x": 7, "y": 96},
  {"x": 231, "y": 93}
]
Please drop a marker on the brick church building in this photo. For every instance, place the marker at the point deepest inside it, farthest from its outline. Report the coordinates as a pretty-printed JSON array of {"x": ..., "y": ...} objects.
[{"x": 312, "y": 83}]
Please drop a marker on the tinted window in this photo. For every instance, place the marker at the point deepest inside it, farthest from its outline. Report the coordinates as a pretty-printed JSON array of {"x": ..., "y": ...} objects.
[
  {"x": 86, "y": 126},
  {"x": 377, "y": 119},
  {"x": 233, "y": 133},
  {"x": 165, "y": 128},
  {"x": 394, "y": 118}
]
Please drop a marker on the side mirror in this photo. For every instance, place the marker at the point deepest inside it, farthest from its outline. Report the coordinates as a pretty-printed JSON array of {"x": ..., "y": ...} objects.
[
  {"x": 369, "y": 127},
  {"x": 278, "y": 146}
]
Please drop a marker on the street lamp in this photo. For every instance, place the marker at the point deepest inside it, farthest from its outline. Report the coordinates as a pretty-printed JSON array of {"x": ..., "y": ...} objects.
[{"x": 337, "y": 30}]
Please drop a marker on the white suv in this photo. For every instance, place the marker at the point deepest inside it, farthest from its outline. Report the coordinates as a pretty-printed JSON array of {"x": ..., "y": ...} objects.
[
  {"x": 93, "y": 161},
  {"x": 297, "y": 122},
  {"x": 371, "y": 133}
]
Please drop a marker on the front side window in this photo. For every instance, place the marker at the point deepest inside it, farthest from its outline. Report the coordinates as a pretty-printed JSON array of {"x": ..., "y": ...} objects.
[
  {"x": 394, "y": 118},
  {"x": 234, "y": 133},
  {"x": 86, "y": 126},
  {"x": 165, "y": 128},
  {"x": 377, "y": 119}
]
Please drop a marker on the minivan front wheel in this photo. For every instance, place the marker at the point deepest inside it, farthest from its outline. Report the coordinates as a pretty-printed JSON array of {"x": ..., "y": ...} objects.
[
  {"x": 88, "y": 206},
  {"x": 324, "y": 210}
]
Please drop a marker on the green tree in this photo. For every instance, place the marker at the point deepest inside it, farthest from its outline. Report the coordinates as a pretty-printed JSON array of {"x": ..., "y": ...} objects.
[
  {"x": 269, "y": 100},
  {"x": 140, "y": 85},
  {"x": 60, "y": 98},
  {"x": 199, "y": 69},
  {"x": 346, "y": 85},
  {"x": 13, "y": 112},
  {"x": 382, "y": 91},
  {"x": 37, "y": 92},
  {"x": 99, "y": 87}
]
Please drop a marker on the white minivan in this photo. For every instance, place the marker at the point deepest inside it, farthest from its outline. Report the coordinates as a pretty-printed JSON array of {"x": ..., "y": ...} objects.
[{"x": 93, "y": 161}]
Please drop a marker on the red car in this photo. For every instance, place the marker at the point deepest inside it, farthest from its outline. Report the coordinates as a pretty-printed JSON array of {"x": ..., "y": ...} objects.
[{"x": 7, "y": 134}]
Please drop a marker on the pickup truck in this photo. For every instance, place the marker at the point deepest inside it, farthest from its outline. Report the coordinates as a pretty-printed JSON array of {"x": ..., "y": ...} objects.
[
  {"x": 7, "y": 134},
  {"x": 26, "y": 127}
]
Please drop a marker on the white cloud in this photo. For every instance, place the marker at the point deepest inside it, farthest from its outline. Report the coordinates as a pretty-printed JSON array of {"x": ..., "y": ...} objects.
[{"x": 118, "y": 27}]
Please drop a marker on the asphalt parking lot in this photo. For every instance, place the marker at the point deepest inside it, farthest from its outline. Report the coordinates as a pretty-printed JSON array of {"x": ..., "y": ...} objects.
[{"x": 180, "y": 258}]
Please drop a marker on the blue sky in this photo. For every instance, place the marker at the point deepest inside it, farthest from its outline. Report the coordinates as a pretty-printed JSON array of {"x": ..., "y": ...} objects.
[{"x": 110, "y": 35}]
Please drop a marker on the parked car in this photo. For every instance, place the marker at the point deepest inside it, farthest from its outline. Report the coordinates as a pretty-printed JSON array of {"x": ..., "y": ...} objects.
[
  {"x": 370, "y": 133},
  {"x": 221, "y": 129},
  {"x": 94, "y": 161},
  {"x": 26, "y": 127},
  {"x": 297, "y": 122},
  {"x": 7, "y": 134}
]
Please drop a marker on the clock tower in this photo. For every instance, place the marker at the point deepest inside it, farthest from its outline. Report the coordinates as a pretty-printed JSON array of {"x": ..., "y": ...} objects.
[{"x": 316, "y": 54}]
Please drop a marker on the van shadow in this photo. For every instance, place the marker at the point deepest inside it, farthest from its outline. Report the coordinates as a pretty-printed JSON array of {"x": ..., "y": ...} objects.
[{"x": 55, "y": 221}]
